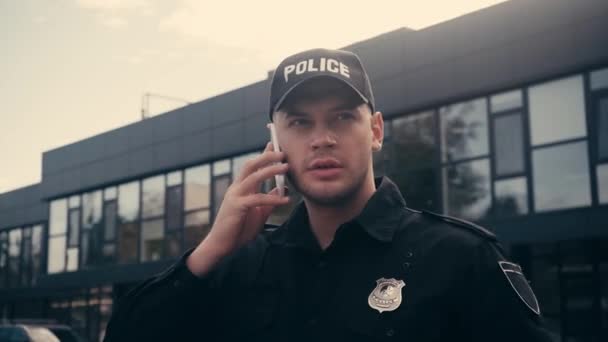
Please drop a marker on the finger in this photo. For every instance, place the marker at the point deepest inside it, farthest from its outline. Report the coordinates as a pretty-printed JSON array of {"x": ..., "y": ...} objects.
[
  {"x": 264, "y": 159},
  {"x": 258, "y": 200},
  {"x": 253, "y": 182}
]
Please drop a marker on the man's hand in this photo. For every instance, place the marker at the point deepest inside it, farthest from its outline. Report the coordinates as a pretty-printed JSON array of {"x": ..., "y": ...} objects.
[{"x": 243, "y": 212}]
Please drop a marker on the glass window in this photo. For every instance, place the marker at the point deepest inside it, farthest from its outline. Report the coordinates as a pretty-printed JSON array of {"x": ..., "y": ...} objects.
[
  {"x": 197, "y": 189},
  {"x": 74, "y": 201},
  {"x": 467, "y": 189},
  {"x": 128, "y": 238},
  {"x": 173, "y": 244},
  {"x": 56, "y": 256},
  {"x": 174, "y": 178},
  {"x": 91, "y": 209},
  {"x": 511, "y": 197},
  {"x": 599, "y": 79},
  {"x": 239, "y": 162},
  {"x": 464, "y": 130},
  {"x": 152, "y": 236},
  {"x": 414, "y": 141},
  {"x": 128, "y": 202},
  {"x": 109, "y": 219},
  {"x": 197, "y": 225},
  {"x": 74, "y": 228},
  {"x": 109, "y": 193},
  {"x": 153, "y": 196},
  {"x": 412, "y": 159},
  {"x": 3, "y": 258},
  {"x": 505, "y": 101},
  {"x": 557, "y": 110},
  {"x": 508, "y": 144},
  {"x": 174, "y": 207},
  {"x": 221, "y": 167},
  {"x": 72, "y": 259},
  {"x": 59, "y": 217},
  {"x": 14, "y": 256},
  {"x": 602, "y": 128},
  {"x": 602, "y": 183},
  {"x": 561, "y": 177},
  {"x": 220, "y": 185},
  {"x": 36, "y": 252}
]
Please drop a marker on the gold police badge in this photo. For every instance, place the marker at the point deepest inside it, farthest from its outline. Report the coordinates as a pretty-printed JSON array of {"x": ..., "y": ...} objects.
[{"x": 387, "y": 295}]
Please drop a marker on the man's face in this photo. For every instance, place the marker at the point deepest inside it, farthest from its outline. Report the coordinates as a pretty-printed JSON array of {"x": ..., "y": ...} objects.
[{"x": 329, "y": 144}]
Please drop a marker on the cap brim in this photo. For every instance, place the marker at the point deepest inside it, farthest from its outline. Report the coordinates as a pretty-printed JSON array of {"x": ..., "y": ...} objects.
[{"x": 293, "y": 87}]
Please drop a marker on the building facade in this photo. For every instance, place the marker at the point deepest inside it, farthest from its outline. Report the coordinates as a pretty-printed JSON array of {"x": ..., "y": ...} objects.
[{"x": 499, "y": 117}]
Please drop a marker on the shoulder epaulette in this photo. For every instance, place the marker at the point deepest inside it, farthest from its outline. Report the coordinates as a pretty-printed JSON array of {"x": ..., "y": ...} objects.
[{"x": 477, "y": 229}]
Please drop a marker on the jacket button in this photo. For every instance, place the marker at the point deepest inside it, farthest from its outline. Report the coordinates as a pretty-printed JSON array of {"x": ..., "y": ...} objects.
[
  {"x": 390, "y": 332},
  {"x": 177, "y": 283}
]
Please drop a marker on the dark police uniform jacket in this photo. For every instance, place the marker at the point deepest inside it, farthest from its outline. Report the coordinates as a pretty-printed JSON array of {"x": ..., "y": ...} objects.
[{"x": 457, "y": 286}]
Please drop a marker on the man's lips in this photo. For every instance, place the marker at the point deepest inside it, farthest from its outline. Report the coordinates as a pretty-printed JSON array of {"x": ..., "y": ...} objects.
[{"x": 324, "y": 163}]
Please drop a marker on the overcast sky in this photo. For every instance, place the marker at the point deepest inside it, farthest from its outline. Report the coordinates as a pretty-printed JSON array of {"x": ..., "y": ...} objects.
[{"x": 70, "y": 69}]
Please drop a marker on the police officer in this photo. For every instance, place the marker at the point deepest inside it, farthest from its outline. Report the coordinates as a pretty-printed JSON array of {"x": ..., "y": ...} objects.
[{"x": 352, "y": 262}]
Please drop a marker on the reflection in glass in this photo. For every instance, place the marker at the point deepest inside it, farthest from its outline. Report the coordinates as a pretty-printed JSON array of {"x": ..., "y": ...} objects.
[
  {"x": 58, "y": 217},
  {"x": 220, "y": 185},
  {"x": 128, "y": 201},
  {"x": 153, "y": 196},
  {"x": 508, "y": 144},
  {"x": 412, "y": 160},
  {"x": 239, "y": 162},
  {"x": 152, "y": 234},
  {"x": 36, "y": 252},
  {"x": 197, "y": 225},
  {"x": 56, "y": 255},
  {"x": 109, "y": 218},
  {"x": 72, "y": 259},
  {"x": 3, "y": 258},
  {"x": 109, "y": 193},
  {"x": 602, "y": 128},
  {"x": 221, "y": 167},
  {"x": 91, "y": 209},
  {"x": 74, "y": 201},
  {"x": 173, "y": 244},
  {"x": 557, "y": 110},
  {"x": 599, "y": 79},
  {"x": 561, "y": 177},
  {"x": 174, "y": 178},
  {"x": 602, "y": 183},
  {"x": 505, "y": 101},
  {"x": 174, "y": 208},
  {"x": 467, "y": 189},
  {"x": 464, "y": 130},
  {"x": 127, "y": 242},
  {"x": 197, "y": 182},
  {"x": 14, "y": 254},
  {"x": 511, "y": 197},
  {"x": 74, "y": 228}
]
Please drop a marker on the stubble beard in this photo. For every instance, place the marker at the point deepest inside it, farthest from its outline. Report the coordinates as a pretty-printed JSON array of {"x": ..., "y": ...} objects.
[{"x": 339, "y": 199}]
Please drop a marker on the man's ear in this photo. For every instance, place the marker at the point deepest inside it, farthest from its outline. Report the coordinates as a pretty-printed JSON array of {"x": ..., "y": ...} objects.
[{"x": 377, "y": 126}]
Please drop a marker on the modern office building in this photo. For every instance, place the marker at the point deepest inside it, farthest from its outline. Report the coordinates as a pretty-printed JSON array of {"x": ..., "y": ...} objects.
[{"x": 499, "y": 116}]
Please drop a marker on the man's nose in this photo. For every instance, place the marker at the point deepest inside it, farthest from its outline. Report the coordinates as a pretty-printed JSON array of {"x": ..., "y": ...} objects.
[{"x": 323, "y": 138}]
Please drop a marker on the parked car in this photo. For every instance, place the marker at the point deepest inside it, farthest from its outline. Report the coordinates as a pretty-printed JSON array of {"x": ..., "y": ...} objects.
[{"x": 26, "y": 333}]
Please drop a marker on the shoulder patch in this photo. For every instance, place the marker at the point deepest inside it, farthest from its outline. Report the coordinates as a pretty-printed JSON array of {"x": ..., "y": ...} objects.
[
  {"x": 520, "y": 285},
  {"x": 477, "y": 229}
]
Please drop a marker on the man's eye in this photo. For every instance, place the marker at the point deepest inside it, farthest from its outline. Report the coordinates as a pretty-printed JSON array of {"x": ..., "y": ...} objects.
[
  {"x": 345, "y": 116},
  {"x": 297, "y": 122}
]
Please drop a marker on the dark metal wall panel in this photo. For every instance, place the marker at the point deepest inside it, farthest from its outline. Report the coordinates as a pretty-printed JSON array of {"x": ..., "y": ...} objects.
[
  {"x": 228, "y": 108},
  {"x": 22, "y": 206},
  {"x": 256, "y": 98},
  {"x": 197, "y": 147},
  {"x": 227, "y": 139}
]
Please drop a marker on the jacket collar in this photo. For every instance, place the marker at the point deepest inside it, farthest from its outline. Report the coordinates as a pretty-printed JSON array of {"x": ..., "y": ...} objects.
[{"x": 379, "y": 218}]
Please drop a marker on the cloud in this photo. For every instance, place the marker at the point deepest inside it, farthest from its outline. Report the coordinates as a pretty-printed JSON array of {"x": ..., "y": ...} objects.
[
  {"x": 113, "y": 4},
  {"x": 114, "y": 22},
  {"x": 40, "y": 19}
]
